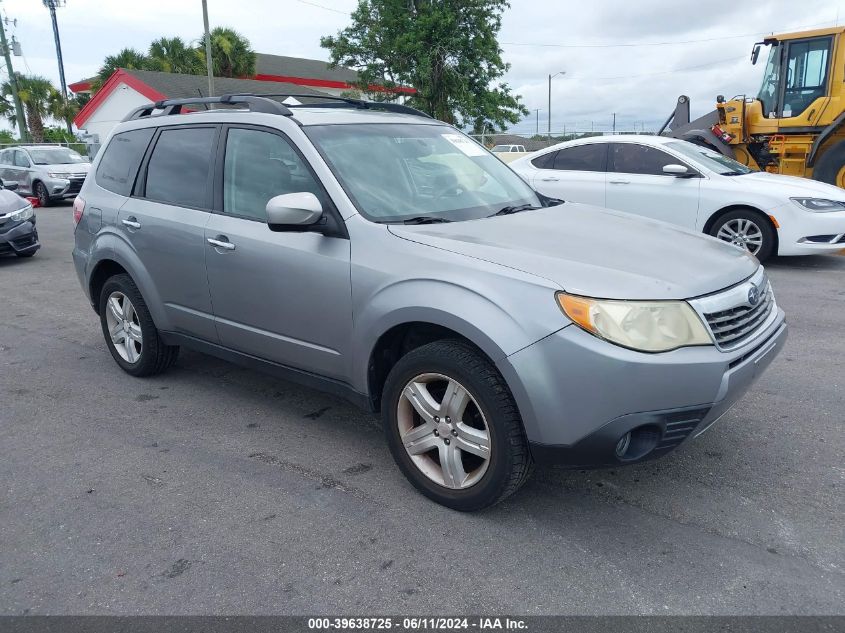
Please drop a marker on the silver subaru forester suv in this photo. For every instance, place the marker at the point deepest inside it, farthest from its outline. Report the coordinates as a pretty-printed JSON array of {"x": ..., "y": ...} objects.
[{"x": 384, "y": 256}]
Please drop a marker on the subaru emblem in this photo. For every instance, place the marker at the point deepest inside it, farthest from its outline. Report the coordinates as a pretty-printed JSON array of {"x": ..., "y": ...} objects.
[{"x": 753, "y": 295}]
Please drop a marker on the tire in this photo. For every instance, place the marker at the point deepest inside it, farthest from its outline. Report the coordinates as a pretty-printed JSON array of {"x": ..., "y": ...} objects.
[
  {"x": 40, "y": 191},
  {"x": 831, "y": 166},
  {"x": 756, "y": 228},
  {"x": 147, "y": 356},
  {"x": 488, "y": 410}
]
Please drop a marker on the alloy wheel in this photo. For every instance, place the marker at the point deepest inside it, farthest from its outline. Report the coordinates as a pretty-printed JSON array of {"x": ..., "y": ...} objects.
[
  {"x": 124, "y": 327},
  {"x": 444, "y": 431},
  {"x": 742, "y": 232}
]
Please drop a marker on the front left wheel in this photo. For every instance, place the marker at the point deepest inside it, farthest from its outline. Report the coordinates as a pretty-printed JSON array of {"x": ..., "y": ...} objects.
[
  {"x": 131, "y": 335},
  {"x": 453, "y": 427},
  {"x": 42, "y": 194}
]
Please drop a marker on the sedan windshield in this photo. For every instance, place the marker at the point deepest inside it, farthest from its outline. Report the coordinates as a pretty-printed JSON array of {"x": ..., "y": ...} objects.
[
  {"x": 418, "y": 173},
  {"x": 55, "y": 156},
  {"x": 710, "y": 159}
]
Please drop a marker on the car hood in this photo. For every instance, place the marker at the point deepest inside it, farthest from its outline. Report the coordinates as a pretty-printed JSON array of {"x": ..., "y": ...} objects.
[
  {"x": 69, "y": 168},
  {"x": 789, "y": 186},
  {"x": 10, "y": 201},
  {"x": 595, "y": 252}
]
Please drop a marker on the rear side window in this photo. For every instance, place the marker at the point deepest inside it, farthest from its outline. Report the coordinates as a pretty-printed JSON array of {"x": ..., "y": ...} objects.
[
  {"x": 590, "y": 157},
  {"x": 546, "y": 161},
  {"x": 179, "y": 171},
  {"x": 630, "y": 158},
  {"x": 119, "y": 164}
]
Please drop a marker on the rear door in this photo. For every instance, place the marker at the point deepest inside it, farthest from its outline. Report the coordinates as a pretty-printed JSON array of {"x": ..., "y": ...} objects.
[
  {"x": 636, "y": 184},
  {"x": 164, "y": 221},
  {"x": 575, "y": 173},
  {"x": 284, "y": 297}
]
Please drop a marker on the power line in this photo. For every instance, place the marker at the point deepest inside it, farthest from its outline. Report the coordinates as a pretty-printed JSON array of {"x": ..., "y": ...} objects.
[
  {"x": 673, "y": 70},
  {"x": 320, "y": 6},
  {"x": 667, "y": 43}
]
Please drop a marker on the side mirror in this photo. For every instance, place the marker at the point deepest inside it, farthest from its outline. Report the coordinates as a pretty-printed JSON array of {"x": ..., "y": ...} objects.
[
  {"x": 676, "y": 170},
  {"x": 755, "y": 53},
  {"x": 11, "y": 186},
  {"x": 293, "y": 211}
]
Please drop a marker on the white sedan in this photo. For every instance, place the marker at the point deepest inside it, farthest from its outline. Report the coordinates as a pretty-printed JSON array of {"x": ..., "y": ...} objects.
[{"x": 695, "y": 187}]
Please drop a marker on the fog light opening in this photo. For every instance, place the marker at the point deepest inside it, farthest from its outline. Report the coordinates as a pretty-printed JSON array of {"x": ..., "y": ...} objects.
[{"x": 637, "y": 443}]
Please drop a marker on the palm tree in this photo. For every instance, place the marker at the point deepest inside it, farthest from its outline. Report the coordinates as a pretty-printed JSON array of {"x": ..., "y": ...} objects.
[
  {"x": 231, "y": 54},
  {"x": 37, "y": 95},
  {"x": 172, "y": 55},
  {"x": 127, "y": 58}
]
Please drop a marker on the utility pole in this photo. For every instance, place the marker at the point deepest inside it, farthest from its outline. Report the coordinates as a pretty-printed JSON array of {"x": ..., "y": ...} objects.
[
  {"x": 561, "y": 72},
  {"x": 52, "y": 5},
  {"x": 537, "y": 112},
  {"x": 208, "y": 49},
  {"x": 614, "y": 123},
  {"x": 13, "y": 82}
]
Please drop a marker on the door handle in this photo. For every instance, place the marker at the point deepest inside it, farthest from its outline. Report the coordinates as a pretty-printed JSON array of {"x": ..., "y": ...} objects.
[
  {"x": 132, "y": 222},
  {"x": 620, "y": 182},
  {"x": 550, "y": 179},
  {"x": 221, "y": 241}
]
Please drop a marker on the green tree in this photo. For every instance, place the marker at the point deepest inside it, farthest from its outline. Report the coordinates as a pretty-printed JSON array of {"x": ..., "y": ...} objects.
[
  {"x": 172, "y": 55},
  {"x": 38, "y": 97},
  {"x": 128, "y": 58},
  {"x": 231, "y": 54},
  {"x": 447, "y": 49}
]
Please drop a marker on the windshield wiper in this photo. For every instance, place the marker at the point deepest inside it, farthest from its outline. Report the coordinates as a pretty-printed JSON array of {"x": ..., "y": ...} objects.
[
  {"x": 425, "y": 219},
  {"x": 733, "y": 173},
  {"x": 513, "y": 209}
]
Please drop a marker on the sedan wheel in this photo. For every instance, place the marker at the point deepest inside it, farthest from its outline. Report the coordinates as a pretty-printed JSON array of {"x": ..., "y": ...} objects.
[
  {"x": 743, "y": 233},
  {"x": 124, "y": 327},
  {"x": 748, "y": 229},
  {"x": 443, "y": 431}
]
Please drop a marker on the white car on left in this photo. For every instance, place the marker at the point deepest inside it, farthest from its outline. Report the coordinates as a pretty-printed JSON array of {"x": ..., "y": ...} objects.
[{"x": 695, "y": 187}]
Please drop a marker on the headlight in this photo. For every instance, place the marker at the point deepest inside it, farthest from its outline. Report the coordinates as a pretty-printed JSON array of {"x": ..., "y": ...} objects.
[
  {"x": 819, "y": 205},
  {"x": 58, "y": 174},
  {"x": 21, "y": 214},
  {"x": 647, "y": 326}
]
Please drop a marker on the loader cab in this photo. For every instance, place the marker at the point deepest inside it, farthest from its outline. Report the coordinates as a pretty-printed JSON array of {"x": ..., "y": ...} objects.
[{"x": 796, "y": 75}]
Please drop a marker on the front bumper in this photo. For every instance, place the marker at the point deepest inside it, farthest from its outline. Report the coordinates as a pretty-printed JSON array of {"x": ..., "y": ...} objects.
[
  {"x": 21, "y": 238},
  {"x": 802, "y": 233},
  {"x": 63, "y": 187},
  {"x": 579, "y": 395}
]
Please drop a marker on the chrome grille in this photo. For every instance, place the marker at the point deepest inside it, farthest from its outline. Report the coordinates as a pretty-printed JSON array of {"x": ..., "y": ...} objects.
[{"x": 732, "y": 326}]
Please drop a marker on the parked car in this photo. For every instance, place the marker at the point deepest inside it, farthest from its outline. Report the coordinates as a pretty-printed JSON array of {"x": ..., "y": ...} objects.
[
  {"x": 390, "y": 259},
  {"x": 506, "y": 149},
  {"x": 18, "y": 235},
  {"x": 695, "y": 187},
  {"x": 47, "y": 172}
]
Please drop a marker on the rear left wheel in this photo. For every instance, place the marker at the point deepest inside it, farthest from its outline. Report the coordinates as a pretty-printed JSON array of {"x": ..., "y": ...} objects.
[{"x": 453, "y": 427}]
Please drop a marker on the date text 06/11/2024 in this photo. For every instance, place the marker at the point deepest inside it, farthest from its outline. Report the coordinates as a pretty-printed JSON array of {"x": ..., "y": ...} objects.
[{"x": 416, "y": 623}]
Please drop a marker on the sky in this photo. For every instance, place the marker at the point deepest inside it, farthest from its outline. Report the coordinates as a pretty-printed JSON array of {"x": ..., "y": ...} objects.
[{"x": 632, "y": 58}]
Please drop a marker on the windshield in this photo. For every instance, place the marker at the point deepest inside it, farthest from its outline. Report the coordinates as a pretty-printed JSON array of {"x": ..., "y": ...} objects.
[
  {"x": 55, "y": 156},
  {"x": 769, "y": 87},
  {"x": 710, "y": 159},
  {"x": 395, "y": 172},
  {"x": 501, "y": 148}
]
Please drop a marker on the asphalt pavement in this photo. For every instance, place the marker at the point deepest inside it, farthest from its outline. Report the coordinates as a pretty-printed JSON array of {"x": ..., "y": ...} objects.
[{"x": 213, "y": 489}]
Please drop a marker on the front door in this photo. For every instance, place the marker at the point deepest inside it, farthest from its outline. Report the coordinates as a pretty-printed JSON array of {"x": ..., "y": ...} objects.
[
  {"x": 165, "y": 222},
  {"x": 636, "y": 184},
  {"x": 284, "y": 297}
]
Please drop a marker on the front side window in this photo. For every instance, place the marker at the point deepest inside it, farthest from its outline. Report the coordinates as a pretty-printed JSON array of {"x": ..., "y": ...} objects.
[
  {"x": 806, "y": 74},
  {"x": 771, "y": 78},
  {"x": 119, "y": 163},
  {"x": 630, "y": 158},
  {"x": 261, "y": 165},
  {"x": 395, "y": 172},
  {"x": 587, "y": 157},
  {"x": 179, "y": 171},
  {"x": 21, "y": 160}
]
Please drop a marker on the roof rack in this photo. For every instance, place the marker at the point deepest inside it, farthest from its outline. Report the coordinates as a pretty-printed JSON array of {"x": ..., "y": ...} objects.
[
  {"x": 340, "y": 102},
  {"x": 256, "y": 103}
]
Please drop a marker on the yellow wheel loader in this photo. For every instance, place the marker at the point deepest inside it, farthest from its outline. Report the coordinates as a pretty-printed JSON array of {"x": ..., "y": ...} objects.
[{"x": 795, "y": 124}]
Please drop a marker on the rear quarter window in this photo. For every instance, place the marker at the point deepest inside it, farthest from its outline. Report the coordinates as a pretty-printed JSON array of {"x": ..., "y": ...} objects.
[{"x": 119, "y": 164}]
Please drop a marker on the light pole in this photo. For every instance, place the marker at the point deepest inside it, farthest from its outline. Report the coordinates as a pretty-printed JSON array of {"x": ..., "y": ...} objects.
[
  {"x": 561, "y": 72},
  {"x": 13, "y": 83},
  {"x": 537, "y": 112},
  {"x": 208, "y": 49},
  {"x": 52, "y": 5}
]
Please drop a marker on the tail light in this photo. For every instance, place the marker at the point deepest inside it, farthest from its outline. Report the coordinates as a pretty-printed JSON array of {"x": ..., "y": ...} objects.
[{"x": 78, "y": 210}]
